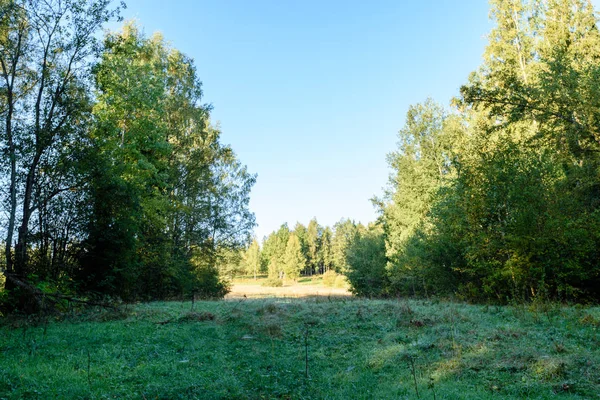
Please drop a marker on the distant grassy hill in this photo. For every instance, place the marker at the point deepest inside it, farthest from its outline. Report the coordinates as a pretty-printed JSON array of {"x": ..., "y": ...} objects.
[{"x": 258, "y": 349}]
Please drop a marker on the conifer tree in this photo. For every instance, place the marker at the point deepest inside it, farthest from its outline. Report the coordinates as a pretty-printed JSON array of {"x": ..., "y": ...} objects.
[{"x": 294, "y": 259}]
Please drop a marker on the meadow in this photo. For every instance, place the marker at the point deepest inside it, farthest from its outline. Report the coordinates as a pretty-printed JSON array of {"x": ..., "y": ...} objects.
[
  {"x": 310, "y": 348},
  {"x": 306, "y": 286}
]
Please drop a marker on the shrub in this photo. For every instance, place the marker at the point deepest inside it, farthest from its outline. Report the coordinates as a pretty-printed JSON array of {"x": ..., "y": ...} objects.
[
  {"x": 273, "y": 282},
  {"x": 209, "y": 285},
  {"x": 340, "y": 282},
  {"x": 329, "y": 278}
]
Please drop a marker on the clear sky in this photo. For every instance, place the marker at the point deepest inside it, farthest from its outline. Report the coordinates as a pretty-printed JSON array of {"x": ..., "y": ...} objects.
[{"x": 310, "y": 94}]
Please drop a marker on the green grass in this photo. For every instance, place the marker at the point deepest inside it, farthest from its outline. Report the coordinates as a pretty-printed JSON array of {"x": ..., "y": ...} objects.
[
  {"x": 249, "y": 280},
  {"x": 315, "y": 280},
  {"x": 357, "y": 349}
]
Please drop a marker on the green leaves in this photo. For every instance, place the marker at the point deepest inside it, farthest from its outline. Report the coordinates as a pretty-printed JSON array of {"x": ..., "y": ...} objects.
[
  {"x": 294, "y": 258},
  {"x": 490, "y": 202},
  {"x": 191, "y": 191}
]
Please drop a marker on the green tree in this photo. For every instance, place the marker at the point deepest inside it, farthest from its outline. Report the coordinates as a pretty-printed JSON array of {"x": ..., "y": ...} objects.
[
  {"x": 230, "y": 263},
  {"x": 274, "y": 249},
  {"x": 367, "y": 262},
  {"x": 252, "y": 259},
  {"x": 325, "y": 255},
  {"x": 302, "y": 234},
  {"x": 422, "y": 164},
  {"x": 46, "y": 49},
  {"x": 294, "y": 259},
  {"x": 170, "y": 202},
  {"x": 532, "y": 168},
  {"x": 313, "y": 241},
  {"x": 344, "y": 232}
]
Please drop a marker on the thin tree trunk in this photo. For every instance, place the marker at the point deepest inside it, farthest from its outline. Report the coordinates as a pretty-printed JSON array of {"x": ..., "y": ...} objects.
[
  {"x": 13, "y": 185},
  {"x": 21, "y": 248},
  {"x": 9, "y": 77}
]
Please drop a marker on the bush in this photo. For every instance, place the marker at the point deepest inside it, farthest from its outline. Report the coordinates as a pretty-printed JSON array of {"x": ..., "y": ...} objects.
[
  {"x": 273, "y": 282},
  {"x": 209, "y": 285},
  {"x": 340, "y": 282},
  {"x": 329, "y": 278}
]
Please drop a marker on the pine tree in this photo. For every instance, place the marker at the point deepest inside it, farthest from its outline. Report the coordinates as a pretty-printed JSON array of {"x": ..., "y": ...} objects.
[
  {"x": 326, "y": 256},
  {"x": 313, "y": 239},
  {"x": 294, "y": 259}
]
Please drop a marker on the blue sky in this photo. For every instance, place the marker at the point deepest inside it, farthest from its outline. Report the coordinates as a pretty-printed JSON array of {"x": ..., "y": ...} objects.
[{"x": 311, "y": 94}]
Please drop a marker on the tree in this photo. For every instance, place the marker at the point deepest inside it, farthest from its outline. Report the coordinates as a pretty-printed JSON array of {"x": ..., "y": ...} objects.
[
  {"x": 252, "y": 259},
  {"x": 301, "y": 232},
  {"x": 117, "y": 182},
  {"x": 230, "y": 263},
  {"x": 531, "y": 175},
  {"x": 313, "y": 241},
  {"x": 344, "y": 232},
  {"x": 132, "y": 154},
  {"x": 294, "y": 259},
  {"x": 325, "y": 251},
  {"x": 274, "y": 248},
  {"x": 186, "y": 205},
  {"x": 366, "y": 262},
  {"x": 45, "y": 56},
  {"x": 422, "y": 164}
]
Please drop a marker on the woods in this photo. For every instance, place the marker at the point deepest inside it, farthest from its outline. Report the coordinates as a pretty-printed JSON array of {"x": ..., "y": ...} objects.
[
  {"x": 497, "y": 198},
  {"x": 132, "y": 265},
  {"x": 117, "y": 183}
]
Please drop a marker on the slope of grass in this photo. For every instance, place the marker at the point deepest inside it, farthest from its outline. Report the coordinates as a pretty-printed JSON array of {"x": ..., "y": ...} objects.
[{"x": 257, "y": 349}]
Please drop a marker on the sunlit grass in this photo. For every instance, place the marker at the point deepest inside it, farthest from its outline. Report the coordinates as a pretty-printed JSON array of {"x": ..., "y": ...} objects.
[
  {"x": 315, "y": 280},
  {"x": 254, "y": 349}
]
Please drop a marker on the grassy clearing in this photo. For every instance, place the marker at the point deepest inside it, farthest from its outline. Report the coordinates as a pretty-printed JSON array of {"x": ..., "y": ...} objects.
[
  {"x": 315, "y": 280},
  {"x": 357, "y": 349},
  {"x": 304, "y": 287}
]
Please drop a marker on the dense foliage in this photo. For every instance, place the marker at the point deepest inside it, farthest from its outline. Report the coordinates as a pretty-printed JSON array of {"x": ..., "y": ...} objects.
[
  {"x": 498, "y": 200},
  {"x": 115, "y": 181}
]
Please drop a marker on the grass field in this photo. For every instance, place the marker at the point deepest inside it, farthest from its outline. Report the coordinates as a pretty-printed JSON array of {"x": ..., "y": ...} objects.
[
  {"x": 309, "y": 286},
  {"x": 316, "y": 348}
]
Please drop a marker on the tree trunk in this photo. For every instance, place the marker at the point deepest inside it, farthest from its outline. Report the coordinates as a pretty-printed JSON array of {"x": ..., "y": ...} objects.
[
  {"x": 20, "y": 266},
  {"x": 12, "y": 188}
]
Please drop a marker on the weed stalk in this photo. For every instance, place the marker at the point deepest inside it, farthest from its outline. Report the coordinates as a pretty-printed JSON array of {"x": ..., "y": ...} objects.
[
  {"x": 413, "y": 371},
  {"x": 306, "y": 333},
  {"x": 88, "y": 369}
]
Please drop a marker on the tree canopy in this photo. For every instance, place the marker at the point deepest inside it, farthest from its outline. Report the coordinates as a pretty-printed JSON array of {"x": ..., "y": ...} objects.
[
  {"x": 497, "y": 199},
  {"x": 117, "y": 183}
]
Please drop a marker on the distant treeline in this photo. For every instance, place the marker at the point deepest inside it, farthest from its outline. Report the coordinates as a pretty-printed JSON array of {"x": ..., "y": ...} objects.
[
  {"x": 114, "y": 181},
  {"x": 348, "y": 248},
  {"x": 304, "y": 250}
]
